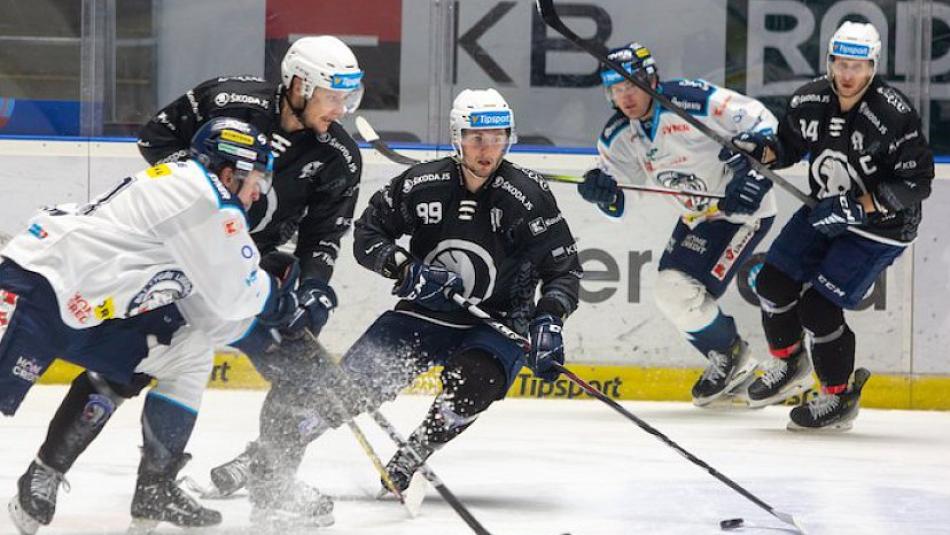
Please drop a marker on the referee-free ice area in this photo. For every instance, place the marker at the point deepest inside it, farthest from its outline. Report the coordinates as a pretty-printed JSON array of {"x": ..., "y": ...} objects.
[{"x": 546, "y": 467}]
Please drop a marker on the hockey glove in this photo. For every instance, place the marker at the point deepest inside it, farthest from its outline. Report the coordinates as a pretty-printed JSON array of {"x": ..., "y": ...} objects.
[
  {"x": 281, "y": 305},
  {"x": 755, "y": 143},
  {"x": 547, "y": 347},
  {"x": 601, "y": 189},
  {"x": 429, "y": 286},
  {"x": 744, "y": 193},
  {"x": 316, "y": 300},
  {"x": 833, "y": 215}
]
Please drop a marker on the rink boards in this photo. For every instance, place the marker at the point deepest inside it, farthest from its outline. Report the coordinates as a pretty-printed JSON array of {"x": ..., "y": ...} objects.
[{"x": 617, "y": 337}]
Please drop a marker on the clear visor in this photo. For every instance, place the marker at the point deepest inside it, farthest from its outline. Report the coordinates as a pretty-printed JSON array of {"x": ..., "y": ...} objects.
[
  {"x": 485, "y": 138},
  {"x": 845, "y": 65},
  {"x": 262, "y": 174},
  {"x": 348, "y": 100}
]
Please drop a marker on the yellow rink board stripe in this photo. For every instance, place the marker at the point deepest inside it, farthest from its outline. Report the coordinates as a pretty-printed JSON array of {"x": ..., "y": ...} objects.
[{"x": 927, "y": 392}]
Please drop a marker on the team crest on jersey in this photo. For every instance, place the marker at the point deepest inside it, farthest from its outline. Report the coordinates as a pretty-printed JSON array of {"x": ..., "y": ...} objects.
[
  {"x": 685, "y": 181},
  {"x": 165, "y": 287},
  {"x": 834, "y": 174},
  {"x": 471, "y": 262}
]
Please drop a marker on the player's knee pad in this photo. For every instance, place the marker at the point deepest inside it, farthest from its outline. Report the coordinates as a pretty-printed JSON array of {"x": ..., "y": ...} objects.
[
  {"x": 471, "y": 382},
  {"x": 684, "y": 300},
  {"x": 819, "y": 316},
  {"x": 778, "y": 293},
  {"x": 88, "y": 405}
]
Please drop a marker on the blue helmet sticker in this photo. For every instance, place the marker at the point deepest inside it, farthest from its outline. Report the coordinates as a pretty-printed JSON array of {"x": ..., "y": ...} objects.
[
  {"x": 851, "y": 50},
  {"x": 490, "y": 119},
  {"x": 346, "y": 81}
]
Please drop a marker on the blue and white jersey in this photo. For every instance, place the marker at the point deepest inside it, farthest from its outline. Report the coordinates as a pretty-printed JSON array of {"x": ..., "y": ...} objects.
[
  {"x": 666, "y": 151},
  {"x": 157, "y": 237}
]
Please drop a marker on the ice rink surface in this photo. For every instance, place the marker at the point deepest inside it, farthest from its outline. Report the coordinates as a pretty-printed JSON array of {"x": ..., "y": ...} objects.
[{"x": 532, "y": 467}]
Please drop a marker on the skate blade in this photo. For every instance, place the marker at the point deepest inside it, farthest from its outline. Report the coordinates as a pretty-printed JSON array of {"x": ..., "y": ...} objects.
[
  {"x": 839, "y": 427},
  {"x": 415, "y": 493},
  {"x": 25, "y": 524},
  {"x": 142, "y": 526},
  {"x": 796, "y": 390}
]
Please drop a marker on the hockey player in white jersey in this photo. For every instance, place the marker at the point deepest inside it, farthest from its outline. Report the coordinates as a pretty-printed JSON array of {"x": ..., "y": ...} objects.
[
  {"x": 643, "y": 142},
  {"x": 141, "y": 283}
]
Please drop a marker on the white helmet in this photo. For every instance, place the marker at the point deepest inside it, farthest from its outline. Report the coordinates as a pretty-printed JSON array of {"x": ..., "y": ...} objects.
[
  {"x": 326, "y": 62},
  {"x": 854, "y": 40},
  {"x": 480, "y": 109}
]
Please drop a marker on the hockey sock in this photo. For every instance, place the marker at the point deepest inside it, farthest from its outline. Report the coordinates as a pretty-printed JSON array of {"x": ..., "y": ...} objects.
[
  {"x": 718, "y": 336},
  {"x": 778, "y": 299},
  {"x": 166, "y": 428},
  {"x": 833, "y": 356},
  {"x": 832, "y": 342}
]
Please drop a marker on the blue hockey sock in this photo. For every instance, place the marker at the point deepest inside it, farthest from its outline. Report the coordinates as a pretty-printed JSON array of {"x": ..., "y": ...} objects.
[
  {"x": 166, "y": 428},
  {"x": 718, "y": 336}
]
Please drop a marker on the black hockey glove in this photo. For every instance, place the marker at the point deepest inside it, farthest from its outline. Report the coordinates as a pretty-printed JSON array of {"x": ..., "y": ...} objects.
[
  {"x": 316, "y": 300},
  {"x": 744, "y": 193},
  {"x": 547, "y": 347},
  {"x": 281, "y": 305},
  {"x": 598, "y": 187},
  {"x": 755, "y": 143},
  {"x": 429, "y": 286},
  {"x": 833, "y": 215}
]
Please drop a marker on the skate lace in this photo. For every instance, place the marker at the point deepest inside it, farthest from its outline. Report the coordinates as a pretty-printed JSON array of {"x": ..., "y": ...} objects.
[
  {"x": 45, "y": 482},
  {"x": 718, "y": 365},
  {"x": 239, "y": 468},
  {"x": 775, "y": 371},
  {"x": 823, "y": 405},
  {"x": 181, "y": 498}
]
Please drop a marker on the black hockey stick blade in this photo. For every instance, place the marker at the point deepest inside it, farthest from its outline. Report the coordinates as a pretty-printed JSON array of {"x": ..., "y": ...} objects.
[
  {"x": 369, "y": 134},
  {"x": 593, "y": 392},
  {"x": 551, "y": 18}
]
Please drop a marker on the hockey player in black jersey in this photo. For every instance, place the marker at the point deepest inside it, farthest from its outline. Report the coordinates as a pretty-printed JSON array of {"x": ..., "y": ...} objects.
[
  {"x": 315, "y": 186},
  {"x": 870, "y": 169},
  {"x": 481, "y": 226},
  {"x": 477, "y": 225}
]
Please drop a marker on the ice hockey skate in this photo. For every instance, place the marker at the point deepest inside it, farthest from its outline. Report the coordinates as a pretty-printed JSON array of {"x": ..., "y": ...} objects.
[
  {"x": 158, "y": 498},
  {"x": 781, "y": 379},
  {"x": 831, "y": 412},
  {"x": 35, "y": 501},
  {"x": 724, "y": 373}
]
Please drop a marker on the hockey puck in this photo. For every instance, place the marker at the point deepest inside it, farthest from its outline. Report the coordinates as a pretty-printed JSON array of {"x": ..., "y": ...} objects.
[{"x": 732, "y": 523}]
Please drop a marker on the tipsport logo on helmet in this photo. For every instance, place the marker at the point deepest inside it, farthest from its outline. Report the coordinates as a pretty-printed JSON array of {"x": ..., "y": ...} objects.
[
  {"x": 490, "y": 119},
  {"x": 346, "y": 81},
  {"x": 851, "y": 50}
]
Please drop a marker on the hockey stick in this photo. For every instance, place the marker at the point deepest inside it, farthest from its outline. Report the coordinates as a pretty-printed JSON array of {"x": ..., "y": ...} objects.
[
  {"x": 412, "y": 505},
  {"x": 551, "y": 18},
  {"x": 369, "y": 134},
  {"x": 525, "y": 344},
  {"x": 427, "y": 472}
]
